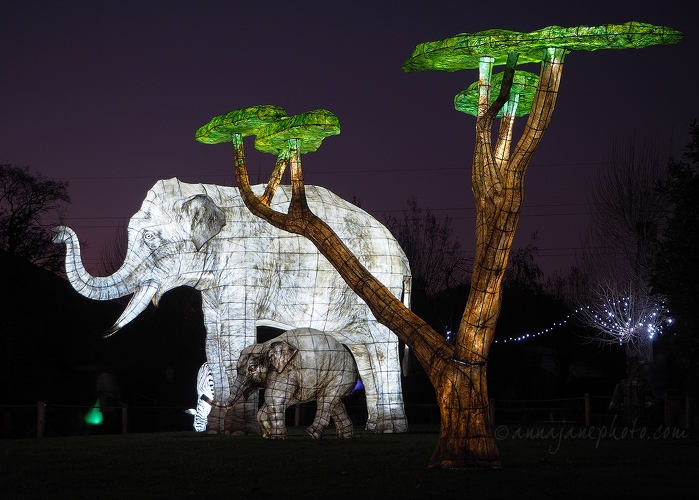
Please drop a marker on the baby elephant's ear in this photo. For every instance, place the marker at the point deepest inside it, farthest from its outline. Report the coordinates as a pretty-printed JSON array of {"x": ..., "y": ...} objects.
[
  {"x": 280, "y": 353},
  {"x": 203, "y": 218}
]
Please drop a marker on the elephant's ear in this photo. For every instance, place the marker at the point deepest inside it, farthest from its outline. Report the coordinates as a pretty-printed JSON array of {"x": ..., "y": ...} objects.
[
  {"x": 280, "y": 353},
  {"x": 203, "y": 218}
]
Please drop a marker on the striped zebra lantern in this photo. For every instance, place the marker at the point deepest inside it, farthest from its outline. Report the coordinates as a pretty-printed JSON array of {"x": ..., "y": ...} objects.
[{"x": 205, "y": 387}]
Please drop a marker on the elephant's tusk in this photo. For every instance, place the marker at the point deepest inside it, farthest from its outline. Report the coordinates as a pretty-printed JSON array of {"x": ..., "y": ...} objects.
[{"x": 136, "y": 305}]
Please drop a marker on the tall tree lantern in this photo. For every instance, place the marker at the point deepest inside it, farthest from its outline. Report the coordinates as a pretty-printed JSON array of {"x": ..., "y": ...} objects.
[
  {"x": 498, "y": 186},
  {"x": 457, "y": 372}
]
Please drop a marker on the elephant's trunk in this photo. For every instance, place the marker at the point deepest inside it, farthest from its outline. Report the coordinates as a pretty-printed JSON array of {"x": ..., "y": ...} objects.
[
  {"x": 218, "y": 404},
  {"x": 117, "y": 285},
  {"x": 237, "y": 391}
]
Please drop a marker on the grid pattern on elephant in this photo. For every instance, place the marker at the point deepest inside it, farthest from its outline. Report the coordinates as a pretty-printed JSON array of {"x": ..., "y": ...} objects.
[
  {"x": 250, "y": 272},
  {"x": 298, "y": 366}
]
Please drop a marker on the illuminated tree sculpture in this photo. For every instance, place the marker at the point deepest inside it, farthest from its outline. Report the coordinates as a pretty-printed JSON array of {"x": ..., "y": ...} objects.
[
  {"x": 520, "y": 102},
  {"x": 458, "y": 372},
  {"x": 498, "y": 186}
]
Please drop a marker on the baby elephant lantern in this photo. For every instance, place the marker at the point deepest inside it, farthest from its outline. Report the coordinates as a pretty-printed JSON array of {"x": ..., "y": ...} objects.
[
  {"x": 298, "y": 366},
  {"x": 252, "y": 274}
]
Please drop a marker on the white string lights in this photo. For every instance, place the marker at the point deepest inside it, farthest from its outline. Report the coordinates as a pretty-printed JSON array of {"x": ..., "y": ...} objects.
[
  {"x": 533, "y": 335},
  {"x": 620, "y": 321},
  {"x": 629, "y": 320}
]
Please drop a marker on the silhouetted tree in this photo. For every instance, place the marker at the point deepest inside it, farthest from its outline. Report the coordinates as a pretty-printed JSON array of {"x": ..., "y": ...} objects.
[
  {"x": 675, "y": 273},
  {"x": 522, "y": 271},
  {"x": 29, "y": 206},
  {"x": 114, "y": 252},
  {"x": 437, "y": 262},
  {"x": 621, "y": 242}
]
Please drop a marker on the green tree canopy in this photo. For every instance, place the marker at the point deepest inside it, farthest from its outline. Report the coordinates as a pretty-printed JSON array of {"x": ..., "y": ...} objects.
[{"x": 464, "y": 51}]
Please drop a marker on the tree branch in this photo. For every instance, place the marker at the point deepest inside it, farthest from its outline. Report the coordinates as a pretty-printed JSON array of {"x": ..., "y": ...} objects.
[
  {"x": 542, "y": 109},
  {"x": 430, "y": 348}
]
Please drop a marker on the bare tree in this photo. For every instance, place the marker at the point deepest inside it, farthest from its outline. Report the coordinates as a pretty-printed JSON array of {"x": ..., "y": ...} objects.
[
  {"x": 114, "y": 252},
  {"x": 522, "y": 271},
  {"x": 632, "y": 319},
  {"x": 621, "y": 243},
  {"x": 627, "y": 210},
  {"x": 437, "y": 261},
  {"x": 29, "y": 206}
]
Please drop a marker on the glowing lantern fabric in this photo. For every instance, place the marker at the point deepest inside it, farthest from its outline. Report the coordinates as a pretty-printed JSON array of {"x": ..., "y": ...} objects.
[
  {"x": 523, "y": 89},
  {"x": 244, "y": 121},
  {"x": 310, "y": 128},
  {"x": 253, "y": 274},
  {"x": 94, "y": 415},
  {"x": 465, "y": 50}
]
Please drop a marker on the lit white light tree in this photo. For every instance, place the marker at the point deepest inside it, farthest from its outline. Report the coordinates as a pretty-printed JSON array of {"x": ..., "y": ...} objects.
[
  {"x": 628, "y": 317},
  {"x": 628, "y": 211},
  {"x": 632, "y": 319}
]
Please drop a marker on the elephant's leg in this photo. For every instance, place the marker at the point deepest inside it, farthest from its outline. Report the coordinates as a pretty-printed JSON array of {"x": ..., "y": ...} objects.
[
  {"x": 343, "y": 423},
  {"x": 263, "y": 420},
  {"x": 271, "y": 418},
  {"x": 221, "y": 389},
  {"x": 322, "y": 418},
  {"x": 366, "y": 373},
  {"x": 390, "y": 415}
]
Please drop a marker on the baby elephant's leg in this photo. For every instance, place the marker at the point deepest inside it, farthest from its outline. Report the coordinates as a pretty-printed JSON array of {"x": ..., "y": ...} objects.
[
  {"x": 263, "y": 420},
  {"x": 272, "y": 421},
  {"x": 321, "y": 420},
  {"x": 343, "y": 423}
]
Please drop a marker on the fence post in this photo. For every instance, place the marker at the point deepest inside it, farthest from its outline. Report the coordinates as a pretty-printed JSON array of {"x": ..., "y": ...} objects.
[
  {"x": 40, "y": 419},
  {"x": 588, "y": 415},
  {"x": 491, "y": 411},
  {"x": 124, "y": 418}
]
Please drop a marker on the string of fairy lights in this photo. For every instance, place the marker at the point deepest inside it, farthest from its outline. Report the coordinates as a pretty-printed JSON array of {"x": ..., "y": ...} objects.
[
  {"x": 527, "y": 336},
  {"x": 617, "y": 319}
]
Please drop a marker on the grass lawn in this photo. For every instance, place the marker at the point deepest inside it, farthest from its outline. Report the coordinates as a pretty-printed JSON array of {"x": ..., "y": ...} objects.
[{"x": 551, "y": 462}]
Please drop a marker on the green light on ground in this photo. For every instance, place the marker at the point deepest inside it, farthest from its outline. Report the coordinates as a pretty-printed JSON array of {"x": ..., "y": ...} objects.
[{"x": 94, "y": 416}]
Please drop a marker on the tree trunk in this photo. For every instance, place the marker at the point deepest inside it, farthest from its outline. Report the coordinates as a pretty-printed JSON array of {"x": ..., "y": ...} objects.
[{"x": 465, "y": 437}]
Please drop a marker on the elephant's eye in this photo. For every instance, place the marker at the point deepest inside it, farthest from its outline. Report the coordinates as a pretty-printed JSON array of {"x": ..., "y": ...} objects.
[{"x": 149, "y": 235}]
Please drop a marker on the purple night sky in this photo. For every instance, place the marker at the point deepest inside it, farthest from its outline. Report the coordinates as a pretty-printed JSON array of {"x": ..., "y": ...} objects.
[{"x": 108, "y": 96}]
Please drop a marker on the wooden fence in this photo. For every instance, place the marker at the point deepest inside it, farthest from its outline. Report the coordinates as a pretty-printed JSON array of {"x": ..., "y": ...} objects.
[{"x": 45, "y": 419}]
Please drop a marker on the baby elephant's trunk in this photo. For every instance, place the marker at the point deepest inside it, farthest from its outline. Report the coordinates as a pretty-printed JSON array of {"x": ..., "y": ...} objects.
[{"x": 218, "y": 404}]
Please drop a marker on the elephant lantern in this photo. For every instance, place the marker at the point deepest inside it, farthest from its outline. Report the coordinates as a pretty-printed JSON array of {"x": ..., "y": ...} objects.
[
  {"x": 298, "y": 366},
  {"x": 252, "y": 274}
]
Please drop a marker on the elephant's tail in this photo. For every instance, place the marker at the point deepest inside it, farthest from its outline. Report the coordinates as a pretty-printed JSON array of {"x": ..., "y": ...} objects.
[{"x": 407, "y": 290}]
